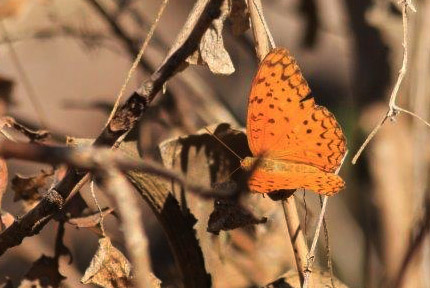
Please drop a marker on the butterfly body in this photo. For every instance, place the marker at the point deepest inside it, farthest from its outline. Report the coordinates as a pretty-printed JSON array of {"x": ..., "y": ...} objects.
[{"x": 298, "y": 143}]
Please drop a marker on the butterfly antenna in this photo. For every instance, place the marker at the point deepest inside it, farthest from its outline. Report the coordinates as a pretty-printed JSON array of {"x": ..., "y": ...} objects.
[
  {"x": 228, "y": 148},
  {"x": 233, "y": 172}
]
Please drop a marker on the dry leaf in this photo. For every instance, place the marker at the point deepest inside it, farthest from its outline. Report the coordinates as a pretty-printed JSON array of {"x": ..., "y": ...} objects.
[
  {"x": 211, "y": 49},
  {"x": 229, "y": 214},
  {"x": 108, "y": 268},
  {"x": 239, "y": 17},
  {"x": 91, "y": 221},
  {"x": 44, "y": 273},
  {"x": 27, "y": 188},
  {"x": 6, "y": 219},
  {"x": 205, "y": 161},
  {"x": 155, "y": 282}
]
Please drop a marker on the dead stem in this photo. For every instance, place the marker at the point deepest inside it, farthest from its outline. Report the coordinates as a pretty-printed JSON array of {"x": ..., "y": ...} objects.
[{"x": 393, "y": 109}]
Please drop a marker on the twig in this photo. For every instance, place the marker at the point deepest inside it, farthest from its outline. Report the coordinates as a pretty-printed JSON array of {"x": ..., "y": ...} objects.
[
  {"x": 393, "y": 109},
  {"x": 310, "y": 258},
  {"x": 25, "y": 80},
  {"x": 117, "y": 186},
  {"x": 33, "y": 135},
  {"x": 137, "y": 59},
  {"x": 101, "y": 215},
  {"x": 123, "y": 121},
  {"x": 327, "y": 243},
  {"x": 88, "y": 158},
  {"x": 297, "y": 237}
]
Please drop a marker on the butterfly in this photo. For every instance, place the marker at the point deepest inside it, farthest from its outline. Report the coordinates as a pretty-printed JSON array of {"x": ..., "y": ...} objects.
[{"x": 295, "y": 143}]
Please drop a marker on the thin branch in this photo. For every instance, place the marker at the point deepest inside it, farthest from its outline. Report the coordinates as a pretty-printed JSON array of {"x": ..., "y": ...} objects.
[
  {"x": 369, "y": 138},
  {"x": 123, "y": 121},
  {"x": 393, "y": 109},
  {"x": 138, "y": 58},
  {"x": 99, "y": 208},
  {"x": 327, "y": 243},
  {"x": 118, "y": 31},
  {"x": 414, "y": 115},
  {"x": 297, "y": 237}
]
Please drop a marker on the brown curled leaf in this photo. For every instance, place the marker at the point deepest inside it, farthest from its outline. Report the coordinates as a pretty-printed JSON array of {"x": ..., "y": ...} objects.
[
  {"x": 91, "y": 221},
  {"x": 108, "y": 268},
  {"x": 230, "y": 214},
  {"x": 28, "y": 188},
  {"x": 211, "y": 50},
  {"x": 6, "y": 219}
]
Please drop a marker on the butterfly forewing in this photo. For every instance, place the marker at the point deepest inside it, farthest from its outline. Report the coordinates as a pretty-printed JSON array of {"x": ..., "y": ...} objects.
[{"x": 283, "y": 121}]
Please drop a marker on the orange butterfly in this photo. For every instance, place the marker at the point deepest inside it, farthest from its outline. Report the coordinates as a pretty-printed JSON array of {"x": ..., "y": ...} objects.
[{"x": 300, "y": 143}]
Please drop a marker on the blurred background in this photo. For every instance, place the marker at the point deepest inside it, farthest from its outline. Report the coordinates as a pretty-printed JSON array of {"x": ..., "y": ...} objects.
[{"x": 75, "y": 56}]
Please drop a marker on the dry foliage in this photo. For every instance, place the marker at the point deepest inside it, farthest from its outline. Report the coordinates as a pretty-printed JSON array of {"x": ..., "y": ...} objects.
[{"x": 163, "y": 196}]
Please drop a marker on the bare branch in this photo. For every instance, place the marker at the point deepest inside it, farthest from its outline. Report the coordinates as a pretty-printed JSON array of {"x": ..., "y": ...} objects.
[{"x": 138, "y": 58}]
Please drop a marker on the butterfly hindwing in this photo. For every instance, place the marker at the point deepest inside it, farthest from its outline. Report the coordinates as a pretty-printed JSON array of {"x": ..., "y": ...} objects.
[{"x": 321, "y": 182}]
